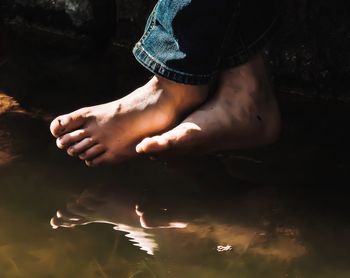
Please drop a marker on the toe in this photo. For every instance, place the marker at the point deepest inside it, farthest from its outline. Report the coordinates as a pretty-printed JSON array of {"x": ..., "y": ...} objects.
[
  {"x": 81, "y": 146},
  {"x": 69, "y": 139},
  {"x": 174, "y": 138},
  {"x": 155, "y": 144},
  {"x": 66, "y": 123},
  {"x": 92, "y": 152},
  {"x": 97, "y": 161},
  {"x": 56, "y": 127},
  {"x": 108, "y": 157},
  {"x": 143, "y": 145}
]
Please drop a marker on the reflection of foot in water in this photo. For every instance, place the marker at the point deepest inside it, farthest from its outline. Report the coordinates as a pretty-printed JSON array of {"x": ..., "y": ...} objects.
[
  {"x": 109, "y": 132},
  {"x": 116, "y": 209},
  {"x": 243, "y": 113},
  {"x": 200, "y": 228}
]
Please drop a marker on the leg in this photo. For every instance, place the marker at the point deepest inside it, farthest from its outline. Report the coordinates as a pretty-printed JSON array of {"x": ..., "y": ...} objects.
[
  {"x": 177, "y": 37},
  {"x": 243, "y": 113},
  {"x": 172, "y": 48}
]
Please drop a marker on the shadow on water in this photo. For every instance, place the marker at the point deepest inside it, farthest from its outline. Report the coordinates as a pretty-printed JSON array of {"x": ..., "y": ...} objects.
[{"x": 279, "y": 211}]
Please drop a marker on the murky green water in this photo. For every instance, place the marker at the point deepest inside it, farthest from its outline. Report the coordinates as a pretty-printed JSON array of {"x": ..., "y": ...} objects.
[
  {"x": 263, "y": 213},
  {"x": 61, "y": 219}
]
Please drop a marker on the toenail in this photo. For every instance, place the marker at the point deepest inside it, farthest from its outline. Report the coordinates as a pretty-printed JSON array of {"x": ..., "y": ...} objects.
[
  {"x": 59, "y": 144},
  {"x": 139, "y": 149},
  {"x": 62, "y": 129}
]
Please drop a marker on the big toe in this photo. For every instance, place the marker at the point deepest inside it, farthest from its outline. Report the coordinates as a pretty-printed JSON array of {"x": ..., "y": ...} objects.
[
  {"x": 177, "y": 138},
  {"x": 67, "y": 123}
]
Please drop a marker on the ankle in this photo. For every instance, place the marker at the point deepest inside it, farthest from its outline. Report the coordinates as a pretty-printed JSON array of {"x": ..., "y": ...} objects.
[{"x": 181, "y": 96}]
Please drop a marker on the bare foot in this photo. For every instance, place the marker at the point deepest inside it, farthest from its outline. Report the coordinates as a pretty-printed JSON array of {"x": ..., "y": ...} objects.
[
  {"x": 244, "y": 113},
  {"x": 108, "y": 133}
]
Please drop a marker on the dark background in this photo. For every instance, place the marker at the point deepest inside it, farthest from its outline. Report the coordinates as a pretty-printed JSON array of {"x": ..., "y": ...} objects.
[{"x": 309, "y": 54}]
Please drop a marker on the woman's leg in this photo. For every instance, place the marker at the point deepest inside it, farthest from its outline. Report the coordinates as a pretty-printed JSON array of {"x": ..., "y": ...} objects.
[{"x": 181, "y": 46}]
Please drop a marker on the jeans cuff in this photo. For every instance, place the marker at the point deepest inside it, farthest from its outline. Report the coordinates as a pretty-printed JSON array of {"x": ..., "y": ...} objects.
[{"x": 156, "y": 67}]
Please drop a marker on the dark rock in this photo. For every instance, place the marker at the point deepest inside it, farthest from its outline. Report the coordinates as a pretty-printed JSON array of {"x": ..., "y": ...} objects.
[
  {"x": 311, "y": 51},
  {"x": 76, "y": 25}
]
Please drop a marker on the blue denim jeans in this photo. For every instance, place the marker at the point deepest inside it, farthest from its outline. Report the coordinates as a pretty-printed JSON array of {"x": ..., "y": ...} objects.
[{"x": 190, "y": 41}]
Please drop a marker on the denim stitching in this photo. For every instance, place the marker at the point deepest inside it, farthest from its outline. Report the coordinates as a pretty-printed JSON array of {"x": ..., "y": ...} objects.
[
  {"x": 240, "y": 55},
  {"x": 167, "y": 68},
  {"x": 151, "y": 24},
  {"x": 158, "y": 68}
]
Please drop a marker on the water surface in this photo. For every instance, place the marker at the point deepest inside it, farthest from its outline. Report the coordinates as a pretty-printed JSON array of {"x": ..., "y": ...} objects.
[{"x": 280, "y": 211}]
